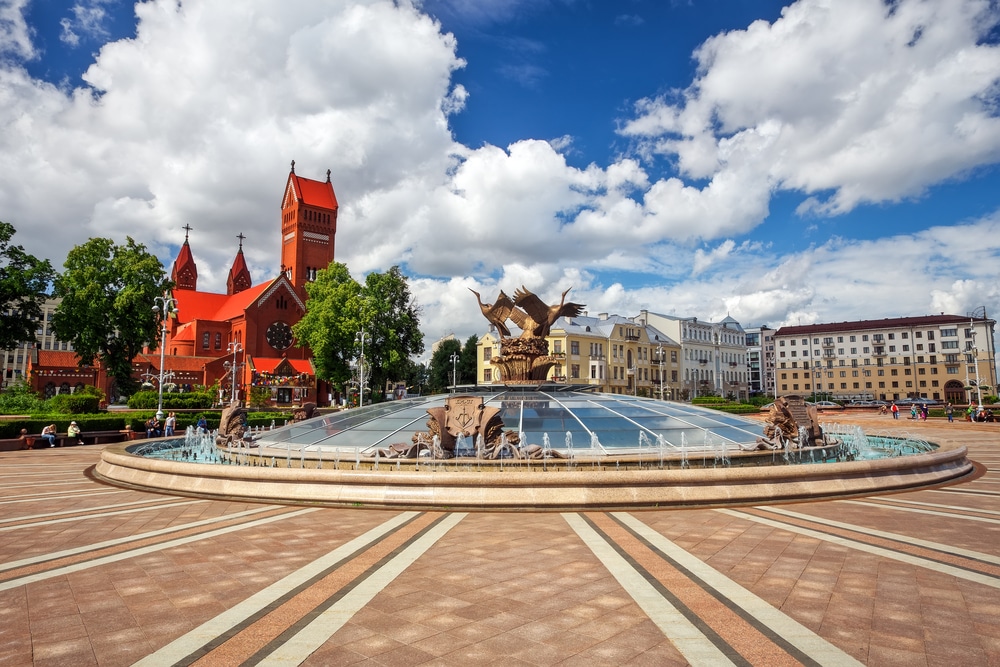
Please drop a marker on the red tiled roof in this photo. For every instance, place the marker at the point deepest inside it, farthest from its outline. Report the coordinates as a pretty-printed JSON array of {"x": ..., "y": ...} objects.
[
  {"x": 64, "y": 358},
  {"x": 314, "y": 193},
  {"x": 268, "y": 364},
  {"x": 192, "y": 305},
  {"x": 887, "y": 323}
]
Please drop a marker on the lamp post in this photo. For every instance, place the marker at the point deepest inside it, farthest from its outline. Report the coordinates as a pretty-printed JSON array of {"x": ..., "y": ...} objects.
[
  {"x": 234, "y": 347},
  {"x": 454, "y": 360},
  {"x": 166, "y": 306},
  {"x": 361, "y": 368}
]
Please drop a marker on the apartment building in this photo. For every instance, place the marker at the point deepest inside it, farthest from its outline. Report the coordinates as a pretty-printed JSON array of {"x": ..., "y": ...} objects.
[
  {"x": 760, "y": 360},
  {"x": 611, "y": 353},
  {"x": 939, "y": 357},
  {"x": 15, "y": 361},
  {"x": 713, "y": 354}
]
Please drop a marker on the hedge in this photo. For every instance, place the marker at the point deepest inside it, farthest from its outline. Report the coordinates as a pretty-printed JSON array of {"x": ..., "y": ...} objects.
[
  {"x": 116, "y": 421},
  {"x": 192, "y": 400}
]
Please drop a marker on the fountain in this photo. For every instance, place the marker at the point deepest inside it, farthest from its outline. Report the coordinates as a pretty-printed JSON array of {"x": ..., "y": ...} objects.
[{"x": 485, "y": 449}]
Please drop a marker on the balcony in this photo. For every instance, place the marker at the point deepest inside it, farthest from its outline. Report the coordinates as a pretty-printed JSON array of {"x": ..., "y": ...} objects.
[
  {"x": 632, "y": 337},
  {"x": 827, "y": 342},
  {"x": 878, "y": 352}
]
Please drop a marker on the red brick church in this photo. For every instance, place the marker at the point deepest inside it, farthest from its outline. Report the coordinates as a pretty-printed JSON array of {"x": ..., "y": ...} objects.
[{"x": 248, "y": 325}]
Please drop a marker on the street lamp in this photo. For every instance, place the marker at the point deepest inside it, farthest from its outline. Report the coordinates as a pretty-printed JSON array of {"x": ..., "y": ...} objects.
[
  {"x": 454, "y": 360},
  {"x": 360, "y": 338},
  {"x": 659, "y": 351},
  {"x": 234, "y": 347},
  {"x": 167, "y": 305}
]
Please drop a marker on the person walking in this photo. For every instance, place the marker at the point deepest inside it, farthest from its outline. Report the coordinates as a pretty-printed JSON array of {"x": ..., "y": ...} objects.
[
  {"x": 950, "y": 411},
  {"x": 895, "y": 410},
  {"x": 170, "y": 424},
  {"x": 913, "y": 410}
]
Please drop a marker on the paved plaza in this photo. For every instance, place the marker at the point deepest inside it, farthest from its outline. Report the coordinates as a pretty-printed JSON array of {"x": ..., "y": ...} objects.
[{"x": 95, "y": 575}]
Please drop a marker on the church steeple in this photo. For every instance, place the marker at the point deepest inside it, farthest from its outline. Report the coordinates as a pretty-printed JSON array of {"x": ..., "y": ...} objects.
[
  {"x": 308, "y": 227},
  {"x": 185, "y": 272},
  {"x": 239, "y": 274}
]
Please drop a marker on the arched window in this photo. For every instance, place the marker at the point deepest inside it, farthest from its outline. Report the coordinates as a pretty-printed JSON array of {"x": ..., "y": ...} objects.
[
  {"x": 205, "y": 340},
  {"x": 218, "y": 341}
]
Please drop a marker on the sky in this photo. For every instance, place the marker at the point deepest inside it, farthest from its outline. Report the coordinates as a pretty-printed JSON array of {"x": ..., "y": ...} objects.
[{"x": 780, "y": 163}]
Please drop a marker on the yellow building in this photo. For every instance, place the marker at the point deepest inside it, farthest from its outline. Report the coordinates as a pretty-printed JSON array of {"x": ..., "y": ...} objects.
[
  {"x": 938, "y": 357},
  {"x": 613, "y": 354}
]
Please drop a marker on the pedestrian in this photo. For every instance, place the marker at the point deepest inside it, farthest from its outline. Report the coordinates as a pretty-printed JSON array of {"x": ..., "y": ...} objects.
[
  {"x": 895, "y": 410},
  {"x": 913, "y": 410},
  {"x": 202, "y": 425},
  {"x": 49, "y": 433},
  {"x": 170, "y": 424},
  {"x": 950, "y": 411},
  {"x": 924, "y": 410}
]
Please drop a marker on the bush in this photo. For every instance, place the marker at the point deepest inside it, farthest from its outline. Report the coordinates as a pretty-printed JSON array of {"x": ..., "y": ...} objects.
[
  {"x": 34, "y": 425},
  {"x": 20, "y": 399},
  {"x": 73, "y": 404},
  {"x": 703, "y": 400},
  {"x": 193, "y": 400}
]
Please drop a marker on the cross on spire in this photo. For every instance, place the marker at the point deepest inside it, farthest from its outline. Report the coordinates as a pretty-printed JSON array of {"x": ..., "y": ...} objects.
[
  {"x": 187, "y": 230},
  {"x": 241, "y": 238},
  {"x": 293, "y": 166}
]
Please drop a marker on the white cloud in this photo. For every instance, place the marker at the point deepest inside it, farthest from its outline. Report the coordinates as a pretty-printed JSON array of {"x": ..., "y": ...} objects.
[
  {"x": 195, "y": 120},
  {"x": 847, "y": 97}
]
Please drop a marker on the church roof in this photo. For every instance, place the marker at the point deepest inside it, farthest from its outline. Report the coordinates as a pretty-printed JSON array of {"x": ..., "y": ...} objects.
[
  {"x": 193, "y": 305},
  {"x": 312, "y": 193},
  {"x": 268, "y": 364}
]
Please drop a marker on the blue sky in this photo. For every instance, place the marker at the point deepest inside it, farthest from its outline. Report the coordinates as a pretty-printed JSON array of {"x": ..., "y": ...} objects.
[{"x": 792, "y": 163}]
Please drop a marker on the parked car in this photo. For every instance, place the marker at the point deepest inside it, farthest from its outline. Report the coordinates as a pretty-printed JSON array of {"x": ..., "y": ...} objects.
[{"x": 828, "y": 405}]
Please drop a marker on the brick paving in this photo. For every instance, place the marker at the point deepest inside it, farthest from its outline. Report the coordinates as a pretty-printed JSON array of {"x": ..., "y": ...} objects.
[{"x": 95, "y": 575}]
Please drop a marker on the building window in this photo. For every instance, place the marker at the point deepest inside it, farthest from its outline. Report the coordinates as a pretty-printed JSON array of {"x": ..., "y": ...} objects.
[
  {"x": 574, "y": 347},
  {"x": 218, "y": 341},
  {"x": 205, "y": 338},
  {"x": 487, "y": 353},
  {"x": 574, "y": 371},
  {"x": 487, "y": 375}
]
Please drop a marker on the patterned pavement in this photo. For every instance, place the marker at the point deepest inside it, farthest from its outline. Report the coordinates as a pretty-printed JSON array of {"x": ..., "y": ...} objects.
[{"x": 95, "y": 575}]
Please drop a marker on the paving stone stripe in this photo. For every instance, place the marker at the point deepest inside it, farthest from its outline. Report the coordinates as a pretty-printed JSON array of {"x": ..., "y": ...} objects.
[
  {"x": 968, "y": 492},
  {"x": 49, "y": 482},
  {"x": 943, "y": 549},
  {"x": 697, "y": 642},
  {"x": 38, "y": 497},
  {"x": 85, "y": 512},
  {"x": 779, "y": 627},
  {"x": 74, "y": 560},
  {"x": 297, "y": 644},
  {"x": 969, "y": 574},
  {"x": 87, "y": 515},
  {"x": 213, "y": 633},
  {"x": 749, "y": 641},
  {"x": 967, "y": 513}
]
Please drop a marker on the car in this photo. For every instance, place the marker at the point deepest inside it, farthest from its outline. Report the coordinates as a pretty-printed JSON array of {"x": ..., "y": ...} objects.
[
  {"x": 918, "y": 401},
  {"x": 828, "y": 405}
]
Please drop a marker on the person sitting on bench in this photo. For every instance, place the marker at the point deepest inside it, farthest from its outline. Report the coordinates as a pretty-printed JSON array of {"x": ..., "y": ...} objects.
[
  {"x": 49, "y": 433},
  {"x": 74, "y": 432}
]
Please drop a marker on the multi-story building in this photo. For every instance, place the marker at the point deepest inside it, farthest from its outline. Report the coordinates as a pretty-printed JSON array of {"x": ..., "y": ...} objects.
[
  {"x": 760, "y": 360},
  {"x": 612, "y": 353},
  {"x": 16, "y": 360},
  {"x": 713, "y": 354},
  {"x": 940, "y": 357}
]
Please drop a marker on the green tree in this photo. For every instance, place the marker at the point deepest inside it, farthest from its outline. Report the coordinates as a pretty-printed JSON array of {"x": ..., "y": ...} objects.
[
  {"x": 24, "y": 283},
  {"x": 339, "y": 309},
  {"x": 441, "y": 365},
  {"x": 331, "y": 322},
  {"x": 108, "y": 296},
  {"x": 467, "y": 364},
  {"x": 392, "y": 320}
]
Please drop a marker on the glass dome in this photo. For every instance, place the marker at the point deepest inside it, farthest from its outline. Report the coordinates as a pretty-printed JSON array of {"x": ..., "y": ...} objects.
[{"x": 588, "y": 422}]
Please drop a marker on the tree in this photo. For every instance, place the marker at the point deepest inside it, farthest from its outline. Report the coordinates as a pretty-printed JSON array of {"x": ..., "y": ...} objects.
[
  {"x": 108, "y": 297},
  {"x": 339, "y": 309},
  {"x": 24, "y": 284},
  {"x": 467, "y": 364},
  {"x": 331, "y": 322},
  {"x": 441, "y": 364},
  {"x": 392, "y": 320}
]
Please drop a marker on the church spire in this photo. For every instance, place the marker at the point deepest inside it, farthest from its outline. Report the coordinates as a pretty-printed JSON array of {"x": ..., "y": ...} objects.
[
  {"x": 185, "y": 272},
  {"x": 239, "y": 274}
]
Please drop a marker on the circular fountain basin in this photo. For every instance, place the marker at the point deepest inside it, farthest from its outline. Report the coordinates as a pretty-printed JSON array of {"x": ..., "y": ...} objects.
[{"x": 620, "y": 452}]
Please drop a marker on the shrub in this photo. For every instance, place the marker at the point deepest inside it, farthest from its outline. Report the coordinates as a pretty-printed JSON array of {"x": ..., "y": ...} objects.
[
  {"x": 20, "y": 399},
  {"x": 73, "y": 404},
  {"x": 144, "y": 400}
]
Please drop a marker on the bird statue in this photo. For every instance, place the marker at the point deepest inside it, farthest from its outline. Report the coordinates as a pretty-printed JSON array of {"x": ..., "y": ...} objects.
[
  {"x": 498, "y": 312},
  {"x": 539, "y": 317}
]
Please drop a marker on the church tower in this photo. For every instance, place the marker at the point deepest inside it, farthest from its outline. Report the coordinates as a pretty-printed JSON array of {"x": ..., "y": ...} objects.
[
  {"x": 308, "y": 227},
  {"x": 239, "y": 274},
  {"x": 185, "y": 273}
]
